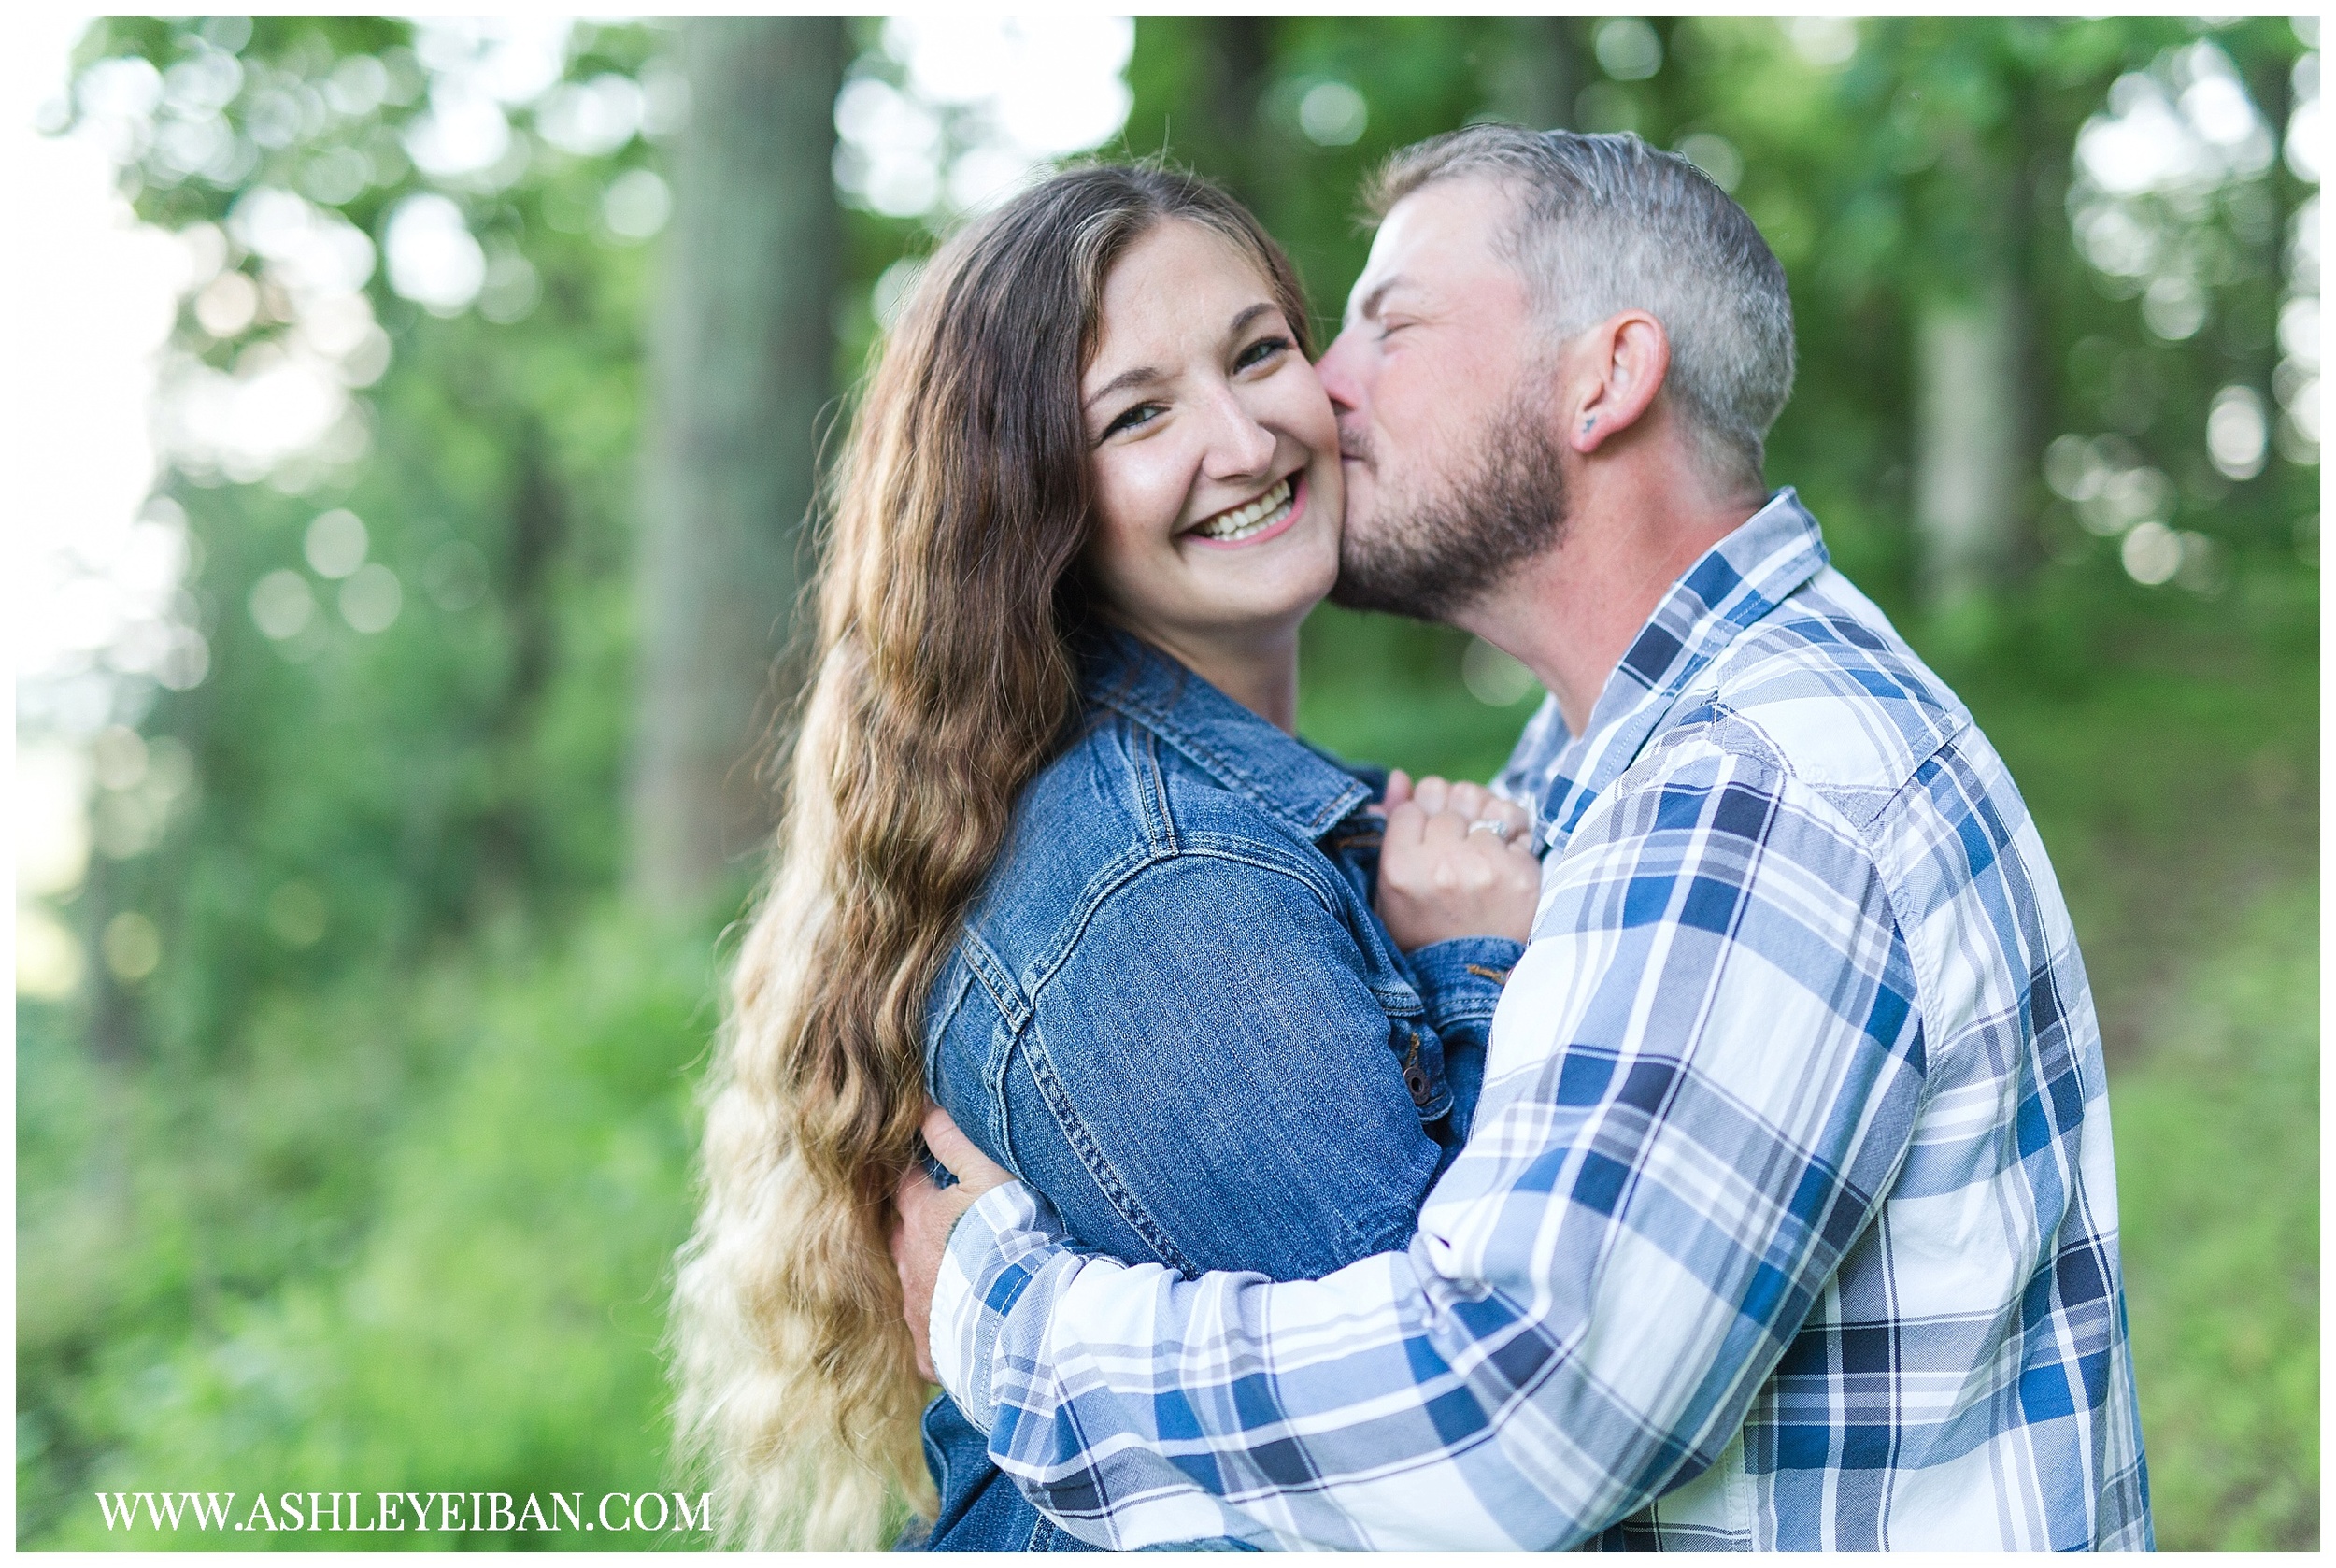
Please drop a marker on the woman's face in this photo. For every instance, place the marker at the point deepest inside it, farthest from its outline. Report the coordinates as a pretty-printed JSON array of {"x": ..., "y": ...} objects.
[{"x": 1215, "y": 453}]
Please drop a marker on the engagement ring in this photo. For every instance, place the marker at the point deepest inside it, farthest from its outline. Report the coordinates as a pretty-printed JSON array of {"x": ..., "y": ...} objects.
[{"x": 1493, "y": 825}]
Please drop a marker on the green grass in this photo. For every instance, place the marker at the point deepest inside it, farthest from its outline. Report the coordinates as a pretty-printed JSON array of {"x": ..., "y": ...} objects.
[{"x": 2217, "y": 1133}]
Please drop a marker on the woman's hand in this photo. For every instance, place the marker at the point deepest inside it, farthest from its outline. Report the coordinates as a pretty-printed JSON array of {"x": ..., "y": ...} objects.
[{"x": 1458, "y": 861}]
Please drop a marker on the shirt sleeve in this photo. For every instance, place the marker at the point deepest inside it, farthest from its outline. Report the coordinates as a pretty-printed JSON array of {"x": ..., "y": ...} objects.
[{"x": 1705, "y": 1072}]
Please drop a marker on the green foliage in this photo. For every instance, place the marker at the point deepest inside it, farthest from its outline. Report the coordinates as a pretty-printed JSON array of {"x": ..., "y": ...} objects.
[{"x": 448, "y": 1279}]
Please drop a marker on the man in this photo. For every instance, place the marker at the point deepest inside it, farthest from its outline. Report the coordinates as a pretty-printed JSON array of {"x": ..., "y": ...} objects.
[{"x": 1788, "y": 1218}]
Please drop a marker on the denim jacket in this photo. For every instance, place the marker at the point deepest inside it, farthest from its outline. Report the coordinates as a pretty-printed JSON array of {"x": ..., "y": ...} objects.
[{"x": 1172, "y": 1012}]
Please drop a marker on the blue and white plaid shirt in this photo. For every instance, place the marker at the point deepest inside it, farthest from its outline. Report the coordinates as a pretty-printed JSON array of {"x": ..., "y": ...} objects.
[{"x": 1788, "y": 1219}]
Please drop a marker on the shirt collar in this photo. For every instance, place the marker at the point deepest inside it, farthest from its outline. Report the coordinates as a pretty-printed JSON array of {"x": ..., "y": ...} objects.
[
  {"x": 1734, "y": 585},
  {"x": 1289, "y": 778}
]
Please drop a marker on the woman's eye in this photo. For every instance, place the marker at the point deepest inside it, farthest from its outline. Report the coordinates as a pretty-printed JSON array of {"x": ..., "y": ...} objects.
[
  {"x": 1262, "y": 350},
  {"x": 1142, "y": 414}
]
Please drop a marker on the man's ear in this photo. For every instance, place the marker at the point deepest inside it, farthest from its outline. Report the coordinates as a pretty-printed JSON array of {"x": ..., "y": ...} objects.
[{"x": 1620, "y": 367}]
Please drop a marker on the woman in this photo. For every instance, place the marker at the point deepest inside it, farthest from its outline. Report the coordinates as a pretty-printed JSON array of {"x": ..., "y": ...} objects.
[{"x": 1052, "y": 856}]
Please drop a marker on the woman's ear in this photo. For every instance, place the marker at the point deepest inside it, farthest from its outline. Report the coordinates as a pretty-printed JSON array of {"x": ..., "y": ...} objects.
[{"x": 1620, "y": 363}]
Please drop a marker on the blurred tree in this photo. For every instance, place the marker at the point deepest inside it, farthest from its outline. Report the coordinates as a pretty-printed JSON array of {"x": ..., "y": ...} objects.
[
  {"x": 1537, "y": 70},
  {"x": 1975, "y": 399},
  {"x": 741, "y": 366}
]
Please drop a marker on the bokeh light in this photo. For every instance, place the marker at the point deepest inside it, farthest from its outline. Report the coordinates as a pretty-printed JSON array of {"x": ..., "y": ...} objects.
[
  {"x": 952, "y": 112},
  {"x": 434, "y": 260},
  {"x": 1332, "y": 114},
  {"x": 334, "y": 543},
  {"x": 2236, "y": 433},
  {"x": 1627, "y": 49},
  {"x": 371, "y": 599}
]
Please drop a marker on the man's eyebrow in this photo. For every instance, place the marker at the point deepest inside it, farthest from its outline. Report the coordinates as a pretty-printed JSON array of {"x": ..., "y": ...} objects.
[
  {"x": 1370, "y": 302},
  {"x": 1144, "y": 375}
]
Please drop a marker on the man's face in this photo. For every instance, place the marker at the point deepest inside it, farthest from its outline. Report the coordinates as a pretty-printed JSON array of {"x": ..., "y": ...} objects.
[{"x": 1443, "y": 393}]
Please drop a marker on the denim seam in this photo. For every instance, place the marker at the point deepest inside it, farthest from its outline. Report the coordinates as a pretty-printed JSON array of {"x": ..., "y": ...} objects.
[
  {"x": 1100, "y": 1169},
  {"x": 1401, "y": 1005},
  {"x": 1158, "y": 723},
  {"x": 937, "y": 1029},
  {"x": 991, "y": 970},
  {"x": 1041, "y": 971},
  {"x": 1160, "y": 823}
]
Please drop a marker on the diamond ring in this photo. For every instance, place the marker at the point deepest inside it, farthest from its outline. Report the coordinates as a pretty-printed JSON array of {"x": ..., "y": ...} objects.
[{"x": 1493, "y": 825}]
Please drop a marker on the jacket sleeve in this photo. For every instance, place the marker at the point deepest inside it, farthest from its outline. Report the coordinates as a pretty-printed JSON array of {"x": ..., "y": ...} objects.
[
  {"x": 1460, "y": 981},
  {"x": 1208, "y": 1081}
]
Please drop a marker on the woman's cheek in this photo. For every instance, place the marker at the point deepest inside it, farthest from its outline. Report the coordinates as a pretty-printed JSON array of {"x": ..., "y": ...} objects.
[
  {"x": 1306, "y": 407},
  {"x": 1144, "y": 495}
]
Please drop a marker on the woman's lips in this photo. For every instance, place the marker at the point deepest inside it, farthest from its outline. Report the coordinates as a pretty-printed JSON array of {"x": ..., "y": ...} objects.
[{"x": 1297, "y": 493}]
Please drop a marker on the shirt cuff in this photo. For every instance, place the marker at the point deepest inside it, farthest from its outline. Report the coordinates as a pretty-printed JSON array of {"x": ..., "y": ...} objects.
[
  {"x": 1461, "y": 978},
  {"x": 997, "y": 1248}
]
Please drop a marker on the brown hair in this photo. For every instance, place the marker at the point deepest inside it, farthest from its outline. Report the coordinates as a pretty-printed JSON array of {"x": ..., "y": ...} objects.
[{"x": 944, "y": 675}]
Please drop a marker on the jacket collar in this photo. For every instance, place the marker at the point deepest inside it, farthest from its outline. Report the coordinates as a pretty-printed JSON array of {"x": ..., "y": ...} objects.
[
  {"x": 1737, "y": 583},
  {"x": 1287, "y": 777}
]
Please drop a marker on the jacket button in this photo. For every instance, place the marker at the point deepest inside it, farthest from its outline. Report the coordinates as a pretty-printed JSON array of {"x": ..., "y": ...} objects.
[{"x": 1417, "y": 1081}]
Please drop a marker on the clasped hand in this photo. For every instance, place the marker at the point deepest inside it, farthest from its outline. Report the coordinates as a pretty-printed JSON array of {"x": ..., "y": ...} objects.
[{"x": 1457, "y": 860}]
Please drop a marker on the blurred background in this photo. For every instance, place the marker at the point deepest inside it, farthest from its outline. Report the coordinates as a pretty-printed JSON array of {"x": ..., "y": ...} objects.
[{"x": 415, "y": 424}]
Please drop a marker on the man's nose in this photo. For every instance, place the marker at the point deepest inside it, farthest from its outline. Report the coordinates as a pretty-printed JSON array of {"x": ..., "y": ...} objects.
[{"x": 1336, "y": 371}]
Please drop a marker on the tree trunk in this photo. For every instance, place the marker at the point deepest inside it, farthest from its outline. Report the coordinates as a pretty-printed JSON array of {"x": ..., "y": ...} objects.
[
  {"x": 1239, "y": 62},
  {"x": 1538, "y": 72},
  {"x": 741, "y": 368},
  {"x": 1981, "y": 383},
  {"x": 1966, "y": 442}
]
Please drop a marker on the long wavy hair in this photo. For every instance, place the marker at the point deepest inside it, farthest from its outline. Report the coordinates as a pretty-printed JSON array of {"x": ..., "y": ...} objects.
[{"x": 944, "y": 675}]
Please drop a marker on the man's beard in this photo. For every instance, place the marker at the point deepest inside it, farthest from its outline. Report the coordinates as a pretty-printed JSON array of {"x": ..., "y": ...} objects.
[{"x": 1429, "y": 556}]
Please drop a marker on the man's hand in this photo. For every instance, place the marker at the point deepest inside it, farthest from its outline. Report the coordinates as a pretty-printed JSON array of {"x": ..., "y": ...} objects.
[
  {"x": 1457, "y": 860},
  {"x": 927, "y": 1214}
]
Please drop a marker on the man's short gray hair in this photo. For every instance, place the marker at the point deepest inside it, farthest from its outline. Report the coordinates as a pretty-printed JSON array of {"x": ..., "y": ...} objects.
[{"x": 1606, "y": 224}]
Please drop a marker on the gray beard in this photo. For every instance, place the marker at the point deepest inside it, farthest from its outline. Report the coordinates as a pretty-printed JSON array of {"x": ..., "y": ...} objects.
[{"x": 1431, "y": 556}]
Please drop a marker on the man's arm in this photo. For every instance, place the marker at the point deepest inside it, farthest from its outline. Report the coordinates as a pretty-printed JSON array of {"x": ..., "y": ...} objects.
[{"x": 1706, "y": 1073}]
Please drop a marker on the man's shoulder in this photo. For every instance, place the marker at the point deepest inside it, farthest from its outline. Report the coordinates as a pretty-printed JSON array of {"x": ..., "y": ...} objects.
[{"x": 1824, "y": 691}]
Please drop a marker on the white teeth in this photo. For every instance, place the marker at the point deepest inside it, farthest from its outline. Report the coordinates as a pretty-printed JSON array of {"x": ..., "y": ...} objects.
[{"x": 1241, "y": 521}]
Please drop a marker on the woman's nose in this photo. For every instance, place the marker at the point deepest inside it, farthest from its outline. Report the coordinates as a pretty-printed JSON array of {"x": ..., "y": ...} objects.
[{"x": 1239, "y": 445}]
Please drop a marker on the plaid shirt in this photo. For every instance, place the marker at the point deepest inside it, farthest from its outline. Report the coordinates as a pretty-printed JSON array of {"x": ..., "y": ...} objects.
[{"x": 1788, "y": 1218}]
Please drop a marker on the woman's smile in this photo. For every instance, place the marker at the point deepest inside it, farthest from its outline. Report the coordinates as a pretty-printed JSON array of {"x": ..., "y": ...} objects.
[{"x": 1253, "y": 522}]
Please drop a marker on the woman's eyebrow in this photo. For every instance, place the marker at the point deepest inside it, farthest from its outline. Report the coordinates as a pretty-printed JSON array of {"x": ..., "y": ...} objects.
[{"x": 1143, "y": 375}]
